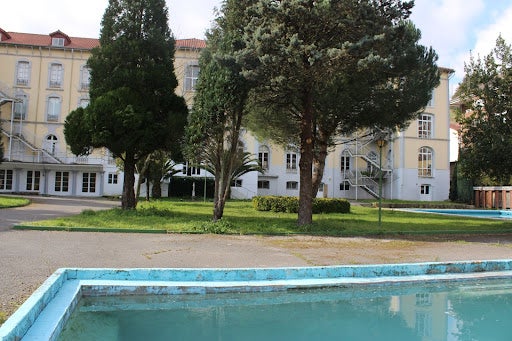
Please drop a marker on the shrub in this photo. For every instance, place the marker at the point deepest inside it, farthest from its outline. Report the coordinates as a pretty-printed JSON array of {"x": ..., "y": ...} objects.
[{"x": 291, "y": 204}]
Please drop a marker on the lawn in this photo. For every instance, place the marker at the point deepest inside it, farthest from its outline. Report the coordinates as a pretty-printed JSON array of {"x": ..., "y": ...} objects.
[
  {"x": 241, "y": 218},
  {"x": 6, "y": 202}
]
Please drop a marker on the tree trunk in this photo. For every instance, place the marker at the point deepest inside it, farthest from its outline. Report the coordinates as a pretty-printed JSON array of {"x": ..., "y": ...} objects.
[
  {"x": 305, "y": 216},
  {"x": 128, "y": 201},
  {"x": 156, "y": 191},
  {"x": 319, "y": 161}
]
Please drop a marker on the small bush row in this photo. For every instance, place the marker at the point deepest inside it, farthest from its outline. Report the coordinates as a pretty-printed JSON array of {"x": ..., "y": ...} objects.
[{"x": 291, "y": 204}]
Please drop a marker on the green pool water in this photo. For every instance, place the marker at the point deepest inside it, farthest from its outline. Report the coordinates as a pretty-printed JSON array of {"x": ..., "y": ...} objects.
[{"x": 459, "y": 310}]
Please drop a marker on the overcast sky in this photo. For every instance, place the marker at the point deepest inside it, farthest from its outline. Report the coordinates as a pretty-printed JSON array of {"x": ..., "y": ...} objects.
[{"x": 454, "y": 28}]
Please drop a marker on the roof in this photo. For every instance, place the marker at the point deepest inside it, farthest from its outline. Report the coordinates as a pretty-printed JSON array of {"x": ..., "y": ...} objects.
[
  {"x": 192, "y": 43},
  {"x": 45, "y": 40}
]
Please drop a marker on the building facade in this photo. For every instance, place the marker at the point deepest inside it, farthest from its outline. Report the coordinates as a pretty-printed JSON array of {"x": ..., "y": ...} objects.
[{"x": 44, "y": 77}]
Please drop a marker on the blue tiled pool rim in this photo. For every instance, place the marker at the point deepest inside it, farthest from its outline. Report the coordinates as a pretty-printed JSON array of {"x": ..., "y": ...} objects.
[{"x": 44, "y": 314}]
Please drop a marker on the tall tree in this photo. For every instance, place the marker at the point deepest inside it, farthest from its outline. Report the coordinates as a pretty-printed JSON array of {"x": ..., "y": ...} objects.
[
  {"x": 133, "y": 109},
  {"x": 486, "y": 125},
  {"x": 213, "y": 131},
  {"x": 331, "y": 66}
]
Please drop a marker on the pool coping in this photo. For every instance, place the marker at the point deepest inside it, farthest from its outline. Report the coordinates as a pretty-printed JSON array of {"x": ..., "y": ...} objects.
[{"x": 45, "y": 312}]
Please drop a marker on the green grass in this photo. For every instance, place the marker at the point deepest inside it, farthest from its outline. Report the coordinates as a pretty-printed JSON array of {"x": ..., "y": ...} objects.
[
  {"x": 7, "y": 202},
  {"x": 241, "y": 218}
]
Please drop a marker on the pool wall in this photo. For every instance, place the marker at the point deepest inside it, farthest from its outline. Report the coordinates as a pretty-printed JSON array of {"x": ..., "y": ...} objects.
[{"x": 45, "y": 312}]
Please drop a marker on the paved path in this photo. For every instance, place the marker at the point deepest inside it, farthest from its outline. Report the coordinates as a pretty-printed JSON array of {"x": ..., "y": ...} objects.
[{"x": 27, "y": 258}]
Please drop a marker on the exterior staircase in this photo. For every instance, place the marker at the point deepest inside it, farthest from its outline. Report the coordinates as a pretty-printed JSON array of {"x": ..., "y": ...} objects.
[
  {"x": 39, "y": 151},
  {"x": 367, "y": 180}
]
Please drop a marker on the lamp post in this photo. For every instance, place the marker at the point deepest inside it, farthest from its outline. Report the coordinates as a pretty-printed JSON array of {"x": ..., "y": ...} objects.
[{"x": 380, "y": 144}]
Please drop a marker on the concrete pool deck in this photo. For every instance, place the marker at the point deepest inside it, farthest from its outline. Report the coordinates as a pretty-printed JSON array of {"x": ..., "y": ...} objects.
[{"x": 28, "y": 258}]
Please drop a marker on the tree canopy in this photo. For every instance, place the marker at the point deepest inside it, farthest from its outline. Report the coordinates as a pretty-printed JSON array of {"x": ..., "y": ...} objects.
[
  {"x": 133, "y": 109},
  {"x": 333, "y": 66},
  {"x": 213, "y": 131},
  {"x": 486, "y": 122}
]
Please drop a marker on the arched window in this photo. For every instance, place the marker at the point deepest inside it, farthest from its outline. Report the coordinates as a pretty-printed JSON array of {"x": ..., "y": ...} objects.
[
  {"x": 425, "y": 162},
  {"x": 51, "y": 144},
  {"x": 263, "y": 157}
]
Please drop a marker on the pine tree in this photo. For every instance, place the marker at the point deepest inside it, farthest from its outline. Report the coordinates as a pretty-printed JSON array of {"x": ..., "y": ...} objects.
[{"x": 133, "y": 109}]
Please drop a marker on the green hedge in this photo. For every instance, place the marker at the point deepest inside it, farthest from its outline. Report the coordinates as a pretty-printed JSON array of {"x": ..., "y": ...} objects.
[{"x": 291, "y": 204}]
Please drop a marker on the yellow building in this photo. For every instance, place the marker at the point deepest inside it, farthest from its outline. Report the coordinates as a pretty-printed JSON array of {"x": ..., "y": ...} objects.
[{"x": 42, "y": 79}]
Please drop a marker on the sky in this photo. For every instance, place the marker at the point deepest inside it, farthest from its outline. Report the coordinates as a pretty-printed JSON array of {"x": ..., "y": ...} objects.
[{"x": 455, "y": 29}]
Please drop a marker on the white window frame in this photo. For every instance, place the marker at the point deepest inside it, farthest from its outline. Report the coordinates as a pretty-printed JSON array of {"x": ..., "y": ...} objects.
[
  {"x": 33, "y": 180},
  {"x": 345, "y": 186},
  {"x": 55, "y": 75},
  {"x": 425, "y": 126},
  {"x": 291, "y": 162},
  {"x": 61, "y": 181},
  {"x": 6, "y": 176},
  {"x": 85, "y": 77},
  {"x": 20, "y": 108},
  {"x": 58, "y": 41},
  {"x": 292, "y": 185},
  {"x": 23, "y": 70},
  {"x": 263, "y": 184},
  {"x": 191, "y": 76},
  {"x": 425, "y": 162},
  {"x": 89, "y": 182},
  {"x": 53, "y": 108},
  {"x": 113, "y": 178}
]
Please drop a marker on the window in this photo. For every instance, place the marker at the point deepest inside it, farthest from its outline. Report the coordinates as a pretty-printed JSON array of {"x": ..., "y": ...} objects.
[
  {"x": 425, "y": 162},
  {"x": 51, "y": 144},
  {"x": 53, "y": 109},
  {"x": 20, "y": 107},
  {"x": 191, "y": 75},
  {"x": 291, "y": 162},
  {"x": 190, "y": 170},
  {"x": 61, "y": 181},
  {"x": 423, "y": 323},
  {"x": 89, "y": 183},
  {"x": 263, "y": 157},
  {"x": 292, "y": 185},
  {"x": 33, "y": 178},
  {"x": 85, "y": 78},
  {"x": 424, "y": 299},
  {"x": 112, "y": 178},
  {"x": 345, "y": 162},
  {"x": 5, "y": 179},
  {"x": 321, "y": 187},
  {"x": 425, "y": 189},
  {"x": 263, "y": 184},
  {"x": 23, "y": 73},
  {"x": 431, "y": 102},
  {"x": 56, "y": 75},
  {"x": 236, "y": 183},
  {"x": 58, "y": 42},
  {"x": 83, "y": 102},
  {"x": 425, "y": 125},
  {"x": 345, "y": 186}
]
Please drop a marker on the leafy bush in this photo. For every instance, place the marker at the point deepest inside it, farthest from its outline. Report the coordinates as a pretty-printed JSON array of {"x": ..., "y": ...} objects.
[{"x": 291, "y": 204}]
